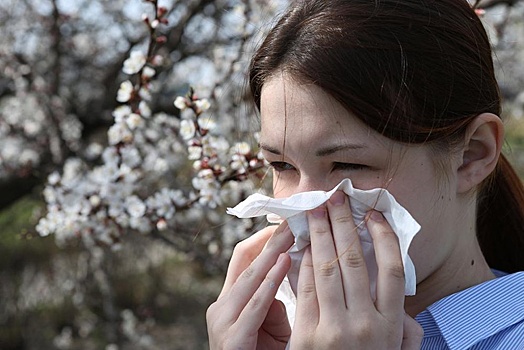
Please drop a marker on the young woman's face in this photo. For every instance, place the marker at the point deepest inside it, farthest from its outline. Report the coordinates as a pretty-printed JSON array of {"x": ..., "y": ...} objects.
[{"x": 313, "y": 142}]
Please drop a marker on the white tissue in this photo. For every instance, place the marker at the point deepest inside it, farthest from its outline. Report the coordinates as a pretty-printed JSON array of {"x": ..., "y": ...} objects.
[{"x": 293, "y": 210}]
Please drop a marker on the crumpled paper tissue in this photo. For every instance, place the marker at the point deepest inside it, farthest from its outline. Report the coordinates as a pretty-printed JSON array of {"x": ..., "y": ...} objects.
[{"x": 293, "y": 210}]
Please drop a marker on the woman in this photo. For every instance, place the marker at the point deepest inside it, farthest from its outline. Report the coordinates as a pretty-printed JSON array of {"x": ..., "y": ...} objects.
[{"x": 399, "y": 94}]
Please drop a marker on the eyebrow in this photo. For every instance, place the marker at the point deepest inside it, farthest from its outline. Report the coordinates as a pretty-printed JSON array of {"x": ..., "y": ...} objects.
[
  {"x": 337, "y": 148},
  {"x": 325, "y": 151}
]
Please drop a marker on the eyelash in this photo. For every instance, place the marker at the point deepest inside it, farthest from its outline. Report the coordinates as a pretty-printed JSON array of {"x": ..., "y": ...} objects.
[
  {"x": 283, "y": 166},
  {"x": 348, "y": 166}
]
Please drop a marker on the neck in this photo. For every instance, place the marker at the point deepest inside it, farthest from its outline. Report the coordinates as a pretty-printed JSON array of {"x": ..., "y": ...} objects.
[{"x": 459, "y": 272}]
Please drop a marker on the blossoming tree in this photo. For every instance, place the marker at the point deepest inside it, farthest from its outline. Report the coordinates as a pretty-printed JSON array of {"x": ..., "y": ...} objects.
[{"x": 133, "y": 117}]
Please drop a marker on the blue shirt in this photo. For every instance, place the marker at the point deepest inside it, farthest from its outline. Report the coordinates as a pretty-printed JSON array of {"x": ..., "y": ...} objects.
[{"x": 487, "y": 316}]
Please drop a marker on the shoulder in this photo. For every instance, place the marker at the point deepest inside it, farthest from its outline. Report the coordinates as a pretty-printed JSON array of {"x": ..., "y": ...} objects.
[{"x": 486, "y": 316}]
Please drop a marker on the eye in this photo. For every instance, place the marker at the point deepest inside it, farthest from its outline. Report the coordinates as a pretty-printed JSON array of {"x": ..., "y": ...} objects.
[
  {"x": 281, "y": 166},
  {"x": 348, "y": 166}
]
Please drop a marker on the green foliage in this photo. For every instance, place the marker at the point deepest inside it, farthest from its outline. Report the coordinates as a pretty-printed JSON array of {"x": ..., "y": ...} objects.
[
  {"x": 17, "y": 246},
  {"x": 514, "y": 145}
]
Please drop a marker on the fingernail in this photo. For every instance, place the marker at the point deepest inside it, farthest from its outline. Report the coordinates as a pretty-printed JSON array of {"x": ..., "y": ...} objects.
[
  {"x": 338, "y": 198},
  {"x": 376, "y": 216},
  {"x": 319, "y": 212}
]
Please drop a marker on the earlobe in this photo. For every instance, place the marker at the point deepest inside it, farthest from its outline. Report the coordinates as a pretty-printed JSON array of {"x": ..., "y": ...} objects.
[{"x": 483, "y": 143}]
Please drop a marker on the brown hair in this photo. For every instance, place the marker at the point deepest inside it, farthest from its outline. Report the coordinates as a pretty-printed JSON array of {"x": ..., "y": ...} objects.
[{"x": 414, "y": 70}]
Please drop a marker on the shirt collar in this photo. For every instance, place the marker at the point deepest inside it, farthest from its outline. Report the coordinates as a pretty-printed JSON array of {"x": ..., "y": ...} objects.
[{"x": 469, "y": 316}]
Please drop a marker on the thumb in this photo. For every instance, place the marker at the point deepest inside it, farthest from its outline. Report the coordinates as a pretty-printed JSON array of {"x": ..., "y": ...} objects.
[
  {"x": 276, "y": 323},
  {"x": 413, "y": 334}
]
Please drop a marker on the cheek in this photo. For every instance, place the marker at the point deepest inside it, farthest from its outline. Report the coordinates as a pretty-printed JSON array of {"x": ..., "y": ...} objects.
[
  {"x": 430, "y": 206},
  {"x": 284, "y": 185}
]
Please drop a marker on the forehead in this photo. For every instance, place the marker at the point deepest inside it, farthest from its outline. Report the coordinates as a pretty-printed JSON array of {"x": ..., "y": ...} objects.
[{"x": 304, "y": 113}]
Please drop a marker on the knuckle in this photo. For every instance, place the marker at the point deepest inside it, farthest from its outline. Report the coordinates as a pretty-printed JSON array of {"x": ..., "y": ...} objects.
[
  {"x": 396, "y": 270},
  {"x": 215, "y": 324},
  {"x": 321, "y": 231},
  {"x": 271, "y": 244},
  {"x": 328, "y": 269},
  {"x": 362, "y": 331},
  {"x": 353, "y": 259},
  {"x": 248, "y": 272},
  {"x": 210, "y": 312},
  {"x": 254, "y": 302},
  {"x": 231, "y": 342},
  {"x": 274, "y": 241},
  {"x": 386, "y": 232},
  {"x": 307, "y": 291},
  {"x": 304, "y": 342},
  {"x": 306, "y": 265},
  {"x": 344, "y": 219},
  {"x": 335, "y": 336}
]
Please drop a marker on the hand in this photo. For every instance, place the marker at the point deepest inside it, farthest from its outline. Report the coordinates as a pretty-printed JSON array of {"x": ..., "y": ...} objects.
[
  {"x": 335, "y": 309},
  {"x": 246, "y": 314}
]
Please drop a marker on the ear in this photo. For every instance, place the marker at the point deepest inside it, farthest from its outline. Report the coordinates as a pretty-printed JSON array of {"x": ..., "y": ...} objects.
[{"x": 483, "y": 143}]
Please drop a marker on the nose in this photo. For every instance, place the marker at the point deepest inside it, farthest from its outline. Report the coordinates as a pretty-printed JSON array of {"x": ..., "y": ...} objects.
[
  {"x": 304, "y": 184},
  {"x": 311, "y": 184}
]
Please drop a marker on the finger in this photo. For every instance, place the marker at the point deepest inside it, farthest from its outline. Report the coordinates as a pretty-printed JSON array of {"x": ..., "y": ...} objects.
[
  {"x": 252, "y": 277},
  {"x": 328, "y": 280},
  {"x": 307, "y": 311},
  {"x": 245, "y": 252},
  {"x": 276, "y": 322},
  {"x": 253, "y": 315},
  {"x": 390, "y": 278},
  {"x": 355, "y": 277},
  {"x": 413, "y": 334}
]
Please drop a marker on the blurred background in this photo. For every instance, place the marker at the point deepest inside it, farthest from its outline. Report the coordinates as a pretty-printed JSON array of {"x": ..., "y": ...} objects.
[{"x": 77, "y": 271}]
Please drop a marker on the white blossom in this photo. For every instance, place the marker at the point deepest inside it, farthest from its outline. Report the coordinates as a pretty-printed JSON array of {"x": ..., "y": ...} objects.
[
  {"x": 238, "y": 162},
  {"x": 53, "y": 178},
  {"x": 31, "y": 127},
  {"x": 121, "y": 112},
  {"x": 157, "y": 60},
  {"x": 141, "y": 224},
  {"x": 145, "y": 110},
  {"x": 94, "y": 150},
  {"x": 119, "y": 133},
  {"x": 95, "y": 200},
  {"x": 135, "y": 207},
  {"x": 134, "y": 121},
  {"x": 163, "y": 203},
  {"x": 145, "y": 93},
  {"x": 215, "y": 146},
  {"x": 195, "y": 152},
  {"x": 148, "y": 72},
  {"x": 125, "y": 91},
  {"x": 207, "y": 123},
  {"x": 130, "y": 156},
  {"x": 134, "y": 63},
  {"x": 161, "y": 225},
  {"x": 242, "y": 148},
  {"x": 187, "y": 129},
  {"x": 28, "y": 156},
  {"x": 203, "y": 104},
  {"x": 206, "y": 174},
  {"x": 73, "y": 167},
  {"x": 160, "y": 165},
  {"x": 197, "y": 164},
  {"x": 180, "y": 103}
]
